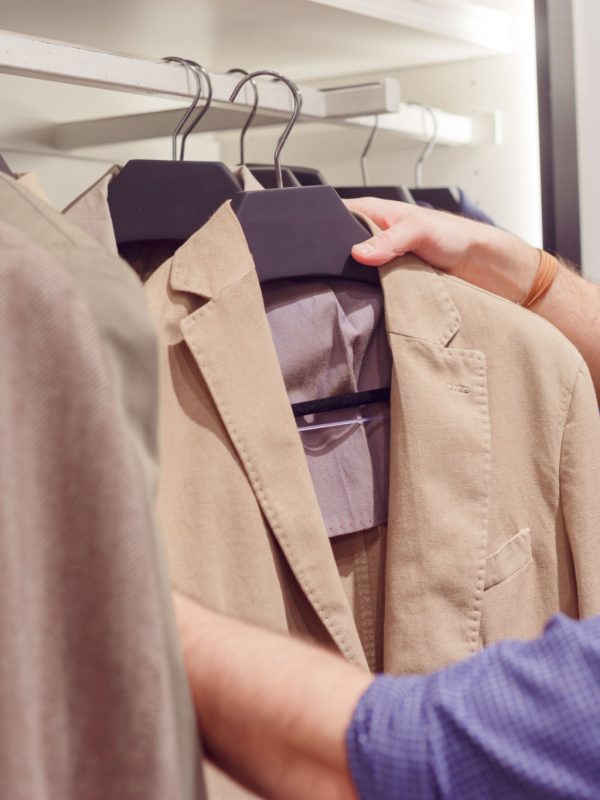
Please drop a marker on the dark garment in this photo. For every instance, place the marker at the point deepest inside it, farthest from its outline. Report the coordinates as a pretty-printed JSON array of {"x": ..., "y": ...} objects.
[
  {"x": 451, "y": 199},
  {"x": 519, "y": 720}
]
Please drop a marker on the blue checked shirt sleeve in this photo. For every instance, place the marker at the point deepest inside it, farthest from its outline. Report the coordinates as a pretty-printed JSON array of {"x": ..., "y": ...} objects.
[{"x": 518, "y": 720}]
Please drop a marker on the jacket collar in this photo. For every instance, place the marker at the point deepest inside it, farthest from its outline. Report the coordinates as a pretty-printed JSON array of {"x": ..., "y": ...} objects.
[
  {"x": 419, "y": 306},
  {"x": 426, "y": 310}
]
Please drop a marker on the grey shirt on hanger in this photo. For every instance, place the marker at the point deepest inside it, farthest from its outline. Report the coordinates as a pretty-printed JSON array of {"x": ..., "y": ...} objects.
[{"x": 330, "y": 340}]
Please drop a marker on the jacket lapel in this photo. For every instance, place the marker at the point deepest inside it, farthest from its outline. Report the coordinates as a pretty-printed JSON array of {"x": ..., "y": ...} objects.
[
  {"x": 231, "y": 342},
  {"x": 439, "y": 477}
]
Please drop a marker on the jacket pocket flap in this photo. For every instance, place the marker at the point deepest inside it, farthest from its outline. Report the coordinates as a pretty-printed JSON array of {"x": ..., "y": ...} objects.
[{"x": 511, "y": 557}]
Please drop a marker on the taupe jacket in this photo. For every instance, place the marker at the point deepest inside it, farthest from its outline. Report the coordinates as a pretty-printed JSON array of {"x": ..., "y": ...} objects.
[{"x": 93, "y": 699}]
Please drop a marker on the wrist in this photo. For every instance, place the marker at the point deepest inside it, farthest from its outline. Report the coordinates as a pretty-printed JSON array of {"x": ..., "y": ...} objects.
[{"x": 502, "y": 264}]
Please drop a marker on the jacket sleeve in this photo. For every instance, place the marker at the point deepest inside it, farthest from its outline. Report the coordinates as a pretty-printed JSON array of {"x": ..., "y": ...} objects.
[{"x": 580, "y": 489}]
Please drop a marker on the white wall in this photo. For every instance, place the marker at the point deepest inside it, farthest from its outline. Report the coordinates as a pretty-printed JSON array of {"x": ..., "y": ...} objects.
[
  {"x": 587, "y": 69},
  {"x": 504, "y": 179}
]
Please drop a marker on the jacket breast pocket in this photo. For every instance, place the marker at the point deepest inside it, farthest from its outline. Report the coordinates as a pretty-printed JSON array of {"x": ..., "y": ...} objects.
[{"x": 513, "y": 556}]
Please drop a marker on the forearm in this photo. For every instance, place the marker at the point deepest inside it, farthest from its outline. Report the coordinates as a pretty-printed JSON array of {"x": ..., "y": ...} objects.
[
  {"x": 505, "y": 265},
  {"x": 273, "y": 711}
]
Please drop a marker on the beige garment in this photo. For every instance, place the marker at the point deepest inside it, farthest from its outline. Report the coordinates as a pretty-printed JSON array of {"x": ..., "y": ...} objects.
[
  {"x": 31, "y": 181},
  {"x": 494, "y": 477},
  {"x": 109, "y": 712},
  {"x": 494, "y": 505}
]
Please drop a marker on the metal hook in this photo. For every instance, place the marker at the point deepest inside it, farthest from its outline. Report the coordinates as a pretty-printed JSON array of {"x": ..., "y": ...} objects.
[
  {"x": 428, "y": 149},
  {"x": 288, "y": 128},
  {"x": 209, "y": 98},
  {"x": 191, "y": 65},
  {"x": 365, "y": 152},
  {"x": 250, "y": 120}
]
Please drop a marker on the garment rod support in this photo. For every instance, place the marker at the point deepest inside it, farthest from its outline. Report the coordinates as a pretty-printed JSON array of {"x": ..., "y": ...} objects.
[{"x": 69, "y": 63}]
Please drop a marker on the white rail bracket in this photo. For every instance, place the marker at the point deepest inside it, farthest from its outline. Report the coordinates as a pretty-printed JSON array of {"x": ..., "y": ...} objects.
[
  {"x": 275, "y": 105},
  {"x": 454, "y": 130}
]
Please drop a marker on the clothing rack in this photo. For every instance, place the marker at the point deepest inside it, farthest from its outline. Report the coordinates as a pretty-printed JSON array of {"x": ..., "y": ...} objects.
[{"x": 62, "y": 62}]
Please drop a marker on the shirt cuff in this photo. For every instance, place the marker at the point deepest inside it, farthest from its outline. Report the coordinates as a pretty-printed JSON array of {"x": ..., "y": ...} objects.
[{"x": 386, "y": 741}]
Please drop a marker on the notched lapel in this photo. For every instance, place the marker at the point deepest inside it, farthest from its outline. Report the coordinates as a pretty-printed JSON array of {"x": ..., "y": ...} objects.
[{"x": 231, "y": 342}]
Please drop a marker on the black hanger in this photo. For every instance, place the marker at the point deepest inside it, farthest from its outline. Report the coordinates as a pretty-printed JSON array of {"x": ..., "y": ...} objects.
[
  {"x": 400, "y": 193},
  {"x": 341, "y": 401},
  {"x": 153, "y": 200},
  {"x": 445, "y": 198},
  {"x": 167, "y": 200},
  {"x": 391, "y": 192},
  {"x": 267, "y": 176},
  {"x": 308, "y": 176},
  {"x": 4, "y": 167},
  {"x": 303, "y": 232}
]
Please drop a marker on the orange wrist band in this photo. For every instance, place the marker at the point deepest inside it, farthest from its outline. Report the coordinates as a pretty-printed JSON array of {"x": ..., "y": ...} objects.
[{"x": 545, "y": 276}]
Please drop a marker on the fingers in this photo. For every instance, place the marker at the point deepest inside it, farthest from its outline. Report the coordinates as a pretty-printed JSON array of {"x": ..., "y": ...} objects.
[
  {"x": 396, "y": 241},
  {"x": 383, "y": 213}
]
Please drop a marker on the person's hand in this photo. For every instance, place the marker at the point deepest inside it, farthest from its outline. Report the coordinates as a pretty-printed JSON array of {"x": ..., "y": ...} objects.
[{"x": 479, "y": 253}]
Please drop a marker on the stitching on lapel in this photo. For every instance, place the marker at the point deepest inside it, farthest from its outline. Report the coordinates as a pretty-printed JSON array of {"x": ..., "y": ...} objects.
[
  {"x": 223, "y": 410},
  {"x": 450, "y": 307},
  {"x": 475, "y": 617}
]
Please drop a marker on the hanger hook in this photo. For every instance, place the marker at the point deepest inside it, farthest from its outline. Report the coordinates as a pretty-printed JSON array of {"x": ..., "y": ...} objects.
[
  {"x": 188, "y": 65},
  {"x": 288, "y": 128},
  {"x": 199, "y": 116},
  {"x": 428, "y": 149},
  {"x": 365, "y": 152},
  {"x": 250, "y": 120}
]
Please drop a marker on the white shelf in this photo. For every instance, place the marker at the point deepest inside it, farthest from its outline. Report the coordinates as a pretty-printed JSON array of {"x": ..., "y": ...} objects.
[
  {"x": 62, "y": 62},
  {"x": 454, "y": 130},
  {"x": 70, "y": 63},
  {"x": 306, "y": 39},
  {"x": 459, "y": 20},
  {"x": 67, "y": 63}
]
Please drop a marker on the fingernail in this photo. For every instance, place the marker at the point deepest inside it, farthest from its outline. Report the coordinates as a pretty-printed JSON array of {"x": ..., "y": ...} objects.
[{"x": 365, "y": 249}]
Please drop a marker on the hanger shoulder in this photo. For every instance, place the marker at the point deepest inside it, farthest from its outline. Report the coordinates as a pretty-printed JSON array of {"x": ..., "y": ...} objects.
[
  {"x": 301, "y": 232},
  {"x": 152, "y": 200}
]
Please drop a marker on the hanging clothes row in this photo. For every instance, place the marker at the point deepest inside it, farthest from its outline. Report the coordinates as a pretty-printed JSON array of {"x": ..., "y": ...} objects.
[{"x": 467, "y": 516}]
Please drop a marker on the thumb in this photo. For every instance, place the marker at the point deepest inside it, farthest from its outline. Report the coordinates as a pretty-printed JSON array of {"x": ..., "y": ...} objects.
[{"x": 385, "y": 246}]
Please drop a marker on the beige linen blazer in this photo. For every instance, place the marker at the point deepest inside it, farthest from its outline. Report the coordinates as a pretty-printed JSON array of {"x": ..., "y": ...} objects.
[
  {"x": 93, "y": 699},
  {"x": 494, "y": 517}
]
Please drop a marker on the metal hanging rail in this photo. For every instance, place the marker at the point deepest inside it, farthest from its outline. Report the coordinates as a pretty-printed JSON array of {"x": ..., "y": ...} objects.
[
  {"x": 62, "y": 62},
  {"x": 69, "y": 63}
]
